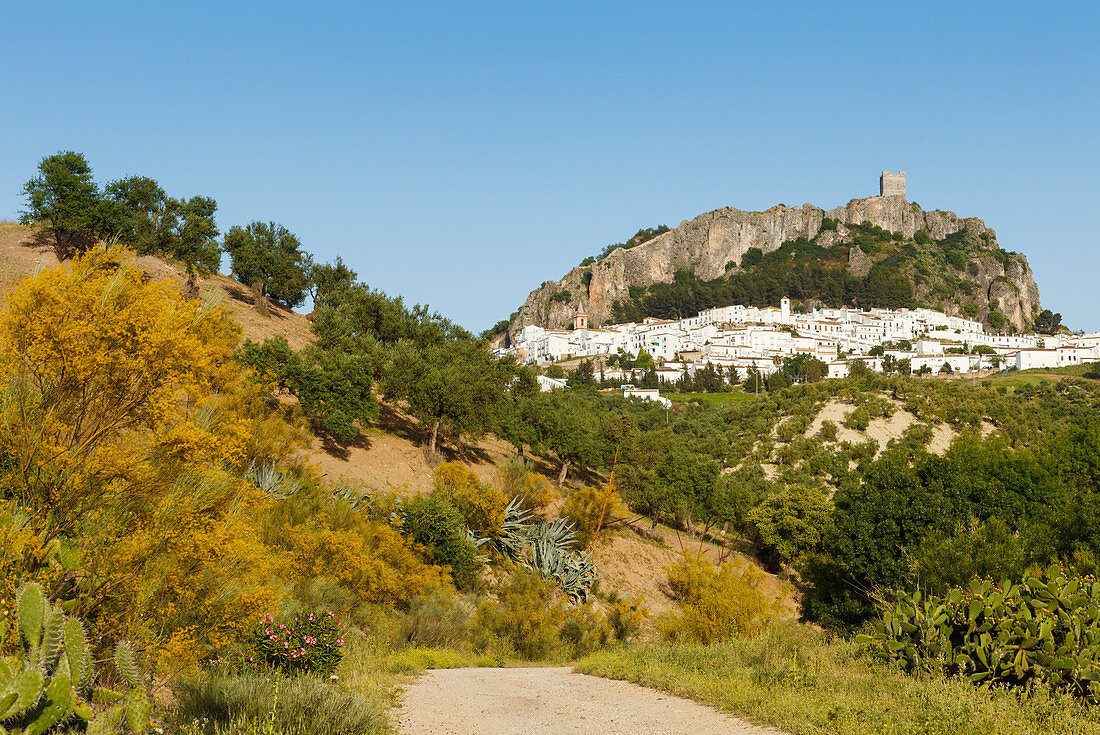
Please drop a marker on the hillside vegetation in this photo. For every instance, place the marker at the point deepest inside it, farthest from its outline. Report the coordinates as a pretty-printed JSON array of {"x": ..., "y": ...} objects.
[{"x": 170, "y": 483}]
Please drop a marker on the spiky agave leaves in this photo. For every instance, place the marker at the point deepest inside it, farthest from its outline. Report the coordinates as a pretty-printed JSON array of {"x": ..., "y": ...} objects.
[
  {"x": 273, "y": 482},
  {"x": 547, "y": 547}
]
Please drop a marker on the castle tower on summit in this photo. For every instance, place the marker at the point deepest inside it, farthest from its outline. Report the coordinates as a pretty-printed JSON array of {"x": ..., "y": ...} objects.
[{"x": 891, "y": 185}]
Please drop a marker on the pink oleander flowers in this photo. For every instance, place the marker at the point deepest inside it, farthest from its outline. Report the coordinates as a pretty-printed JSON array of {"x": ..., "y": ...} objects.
[{"x": 310, "y": 643}]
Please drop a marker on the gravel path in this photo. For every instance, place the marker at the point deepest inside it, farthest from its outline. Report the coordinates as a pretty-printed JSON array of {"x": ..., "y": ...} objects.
[{"x": 545, "y": 700}]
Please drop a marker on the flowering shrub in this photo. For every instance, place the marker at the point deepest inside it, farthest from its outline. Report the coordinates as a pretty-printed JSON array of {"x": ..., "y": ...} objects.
[
  {"x": 481, "y": 505},
  {"x": 716, "y": 602},
  {"x": 311, "y": 643}
]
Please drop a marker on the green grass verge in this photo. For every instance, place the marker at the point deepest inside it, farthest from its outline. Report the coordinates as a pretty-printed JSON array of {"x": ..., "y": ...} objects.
[
  {"x": 1019, "y": 378},
  {"x": 415, "y": 660},
  {"x": 717, "y": 400},
  {"x": 793, "y": 679}
]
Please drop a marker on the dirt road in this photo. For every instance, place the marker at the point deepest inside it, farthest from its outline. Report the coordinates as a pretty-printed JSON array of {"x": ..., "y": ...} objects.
[{"x": 553, "y": 700}]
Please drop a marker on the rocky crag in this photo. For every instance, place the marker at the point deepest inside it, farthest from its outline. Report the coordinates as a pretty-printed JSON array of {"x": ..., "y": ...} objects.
[{"x": 713, "y": 244}]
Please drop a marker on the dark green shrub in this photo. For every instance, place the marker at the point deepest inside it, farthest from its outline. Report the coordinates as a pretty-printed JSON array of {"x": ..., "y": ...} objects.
[
  {"x": 859, "y": 419},
  {"x": 752, "y": 257},
  {"x": 432, "y": 521},
  {"x": 956, "y": 259}
]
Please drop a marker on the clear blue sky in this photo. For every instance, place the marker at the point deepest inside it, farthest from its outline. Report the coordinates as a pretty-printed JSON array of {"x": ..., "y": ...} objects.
[{"x": 461, "y": 153}]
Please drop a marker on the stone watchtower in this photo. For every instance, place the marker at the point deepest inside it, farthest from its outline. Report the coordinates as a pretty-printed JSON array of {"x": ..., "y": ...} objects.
[{"x": 891, "y": 185}]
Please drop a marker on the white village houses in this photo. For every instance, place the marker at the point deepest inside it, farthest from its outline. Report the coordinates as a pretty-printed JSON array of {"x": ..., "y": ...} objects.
[{"x": 738, "y": 338}]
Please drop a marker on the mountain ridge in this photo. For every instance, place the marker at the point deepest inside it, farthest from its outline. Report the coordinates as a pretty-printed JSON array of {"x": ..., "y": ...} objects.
[{"x": 713, "y": 246}]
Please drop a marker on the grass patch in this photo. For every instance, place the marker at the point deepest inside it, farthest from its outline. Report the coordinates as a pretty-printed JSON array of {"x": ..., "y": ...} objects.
[
  {"x": 792, "y": 678},
  {"x": 716, "y": 400},
  {"x": 413, "y": 660},
  {"x": 357, "y": 702},
  {"x": 1019, "y": 378}
]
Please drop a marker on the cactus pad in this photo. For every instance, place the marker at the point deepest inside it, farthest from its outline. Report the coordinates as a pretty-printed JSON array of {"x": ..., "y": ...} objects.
[
  {"x": 106, "y": 721},
  {"x": 27, "y": 687},
  {"x": 76, "y": 648},
  {"x": 57, "y": 708},
  {"x": 32, "y": 614},
  {"x": 124, "y": 660},
  {"x": 137, "y": 710},
  {"x": 51, "y": 640}
]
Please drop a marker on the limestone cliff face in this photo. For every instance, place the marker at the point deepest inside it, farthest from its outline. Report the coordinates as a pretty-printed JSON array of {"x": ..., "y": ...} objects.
[{"x": 707, "y": 243}]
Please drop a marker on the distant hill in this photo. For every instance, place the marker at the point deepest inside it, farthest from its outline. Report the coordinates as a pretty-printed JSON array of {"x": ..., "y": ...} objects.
[{"x": 882, "y": 251}]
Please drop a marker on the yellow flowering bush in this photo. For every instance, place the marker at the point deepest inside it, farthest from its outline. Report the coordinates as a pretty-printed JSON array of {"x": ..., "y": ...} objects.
[
  {"x": 590, "y": 509},
  {"x": 123, "y": 427},
  {"x": 716, "y": 602},
  {"x": 481, "y": 505}
]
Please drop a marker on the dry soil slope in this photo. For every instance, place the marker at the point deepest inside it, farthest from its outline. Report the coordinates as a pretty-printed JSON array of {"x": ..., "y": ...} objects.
[{"x": 387, "y": 459}]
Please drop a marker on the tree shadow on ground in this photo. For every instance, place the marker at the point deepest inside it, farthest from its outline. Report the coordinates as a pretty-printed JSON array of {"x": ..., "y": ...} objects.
[
  {"x": 42, "y": 238},
  {"x": 245, "y": 295},
  {"x": 339, "y": 448}
]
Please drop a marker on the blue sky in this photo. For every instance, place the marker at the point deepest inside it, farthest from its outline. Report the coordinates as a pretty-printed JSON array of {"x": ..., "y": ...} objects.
[{"x": 461, "y": 153}]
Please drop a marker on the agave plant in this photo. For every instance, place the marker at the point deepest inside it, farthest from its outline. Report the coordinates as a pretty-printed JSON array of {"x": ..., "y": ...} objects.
[
  {"x": 548, "y": 548},
  {"x": 272, "y": 482}
]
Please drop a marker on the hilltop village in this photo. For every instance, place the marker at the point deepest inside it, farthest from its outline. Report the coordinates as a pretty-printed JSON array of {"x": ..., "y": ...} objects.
[{"x": 738, "y": 339}]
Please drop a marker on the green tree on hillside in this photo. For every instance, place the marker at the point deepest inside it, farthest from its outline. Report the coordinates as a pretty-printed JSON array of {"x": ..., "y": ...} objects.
[
  {"x": 562, "y": 422},
  {"x": 138, "y": 213},
  {"x": 66, "y": 198},
  {"x": 193, "y": 239},
  {"x": 355, "y": 317},
  {"x": 792, "y": 521},
  {"x": 662, "y": 475},
  {"x": 332, "y": 387},
  {"x": 1048, "y": 322},
  {"x": 270, "y": 258},
  {"x": 326, "y": 278},
  {"x": 456, "y": 387}
]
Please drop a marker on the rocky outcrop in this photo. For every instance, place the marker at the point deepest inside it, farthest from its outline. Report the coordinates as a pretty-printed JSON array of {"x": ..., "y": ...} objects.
[{"x": 713, "y": 243}]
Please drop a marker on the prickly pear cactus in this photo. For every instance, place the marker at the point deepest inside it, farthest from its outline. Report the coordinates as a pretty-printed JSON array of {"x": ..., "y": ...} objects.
[
  {"x": 45, "y": 686},
  {"x": 1044, "y": 630}
]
